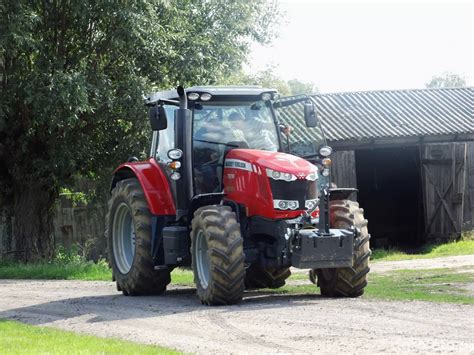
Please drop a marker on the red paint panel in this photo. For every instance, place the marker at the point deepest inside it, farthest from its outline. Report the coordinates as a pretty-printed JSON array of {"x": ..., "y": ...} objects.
[
  {"x": 154, "y": 184},
  {"x": 250, "y": 186}
]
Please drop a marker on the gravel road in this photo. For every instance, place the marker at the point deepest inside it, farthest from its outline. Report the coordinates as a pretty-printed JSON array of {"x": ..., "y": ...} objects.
[{"x": 263, "y": 323}]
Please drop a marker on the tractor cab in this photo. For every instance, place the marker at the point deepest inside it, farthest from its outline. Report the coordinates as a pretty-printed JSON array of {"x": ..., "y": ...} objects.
[
  {"x": 238, "y": 187},
  {"x": 226, "y": 118}
]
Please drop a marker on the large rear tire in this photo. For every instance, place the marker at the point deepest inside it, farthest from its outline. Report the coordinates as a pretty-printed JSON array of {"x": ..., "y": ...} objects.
[
  {"x": 350, "y": 281},
  {"x": 128, "y": 234},
  {"x": 258, "y": 277},
  {"x": 217, "y": 255}
]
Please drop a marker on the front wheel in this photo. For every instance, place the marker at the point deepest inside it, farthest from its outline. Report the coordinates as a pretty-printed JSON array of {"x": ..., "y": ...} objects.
[
  {"x": 217, "y": 255},
  {"x": 129, "y": 242},
  {"x": 349, "y": 281},
  {"x": 259, "y": 277}
]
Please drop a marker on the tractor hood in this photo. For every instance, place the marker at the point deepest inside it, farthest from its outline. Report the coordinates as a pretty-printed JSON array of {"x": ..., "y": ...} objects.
[{"x": 259, "y": 160}]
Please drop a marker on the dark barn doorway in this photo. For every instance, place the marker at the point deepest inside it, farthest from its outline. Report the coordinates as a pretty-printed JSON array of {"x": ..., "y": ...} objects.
[{"x": 390, "y": 192}]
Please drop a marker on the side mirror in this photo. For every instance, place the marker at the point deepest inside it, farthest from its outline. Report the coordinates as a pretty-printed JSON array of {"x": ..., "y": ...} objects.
[
  {"x": 310, "y": 115},
  {"x": 158, "y": 118}
]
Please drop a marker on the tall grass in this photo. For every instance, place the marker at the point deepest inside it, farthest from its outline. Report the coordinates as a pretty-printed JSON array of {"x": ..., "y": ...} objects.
[{"x": 66, "y": 265}]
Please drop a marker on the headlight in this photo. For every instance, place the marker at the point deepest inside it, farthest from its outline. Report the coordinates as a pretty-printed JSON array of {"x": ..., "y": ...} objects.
[
  {"x": 175, "y": 154},
  {"x": 286, "y": 204},
  {"x": 266, "y": 96},
  {"x": 325, "y": 151},
  {"x": 311, "y": 204},
  {"x": 312, "y": 176},
  {"x": 205, "y": 96},
  {"x": 175, "y": 176},
  {"x": 277, "y": 175},
  {"x": 193, "y": 96}
]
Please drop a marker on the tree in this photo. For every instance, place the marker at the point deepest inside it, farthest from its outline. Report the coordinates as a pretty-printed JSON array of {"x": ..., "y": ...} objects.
[
  {"x": 298, "y": 87},
  {"x": 72, "y": 79},
  {"x": 446, "y": 80},
  {"x": 267, "y": 78}
]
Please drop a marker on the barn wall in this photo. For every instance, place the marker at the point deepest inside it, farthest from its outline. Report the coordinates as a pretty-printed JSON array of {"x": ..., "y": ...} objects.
[
  {"x": 343, "y": 168},
  {"x": 444, "y": 167},
  {"x": 6, "y": 233},
  {"x": 78, "y": 227},
  {"x": 469, "y": 192}
]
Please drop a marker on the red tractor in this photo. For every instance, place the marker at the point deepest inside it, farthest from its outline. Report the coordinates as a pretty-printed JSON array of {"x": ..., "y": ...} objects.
[{"x": 238, "y": 187}]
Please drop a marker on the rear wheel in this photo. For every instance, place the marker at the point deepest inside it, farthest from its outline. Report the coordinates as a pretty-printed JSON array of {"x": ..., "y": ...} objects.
[
  {"x": 259, "y": 277},
  {"x": 129, "y": 242},
  {"x": 350, "y": 281},
  {"x": 217, "y": 255}
]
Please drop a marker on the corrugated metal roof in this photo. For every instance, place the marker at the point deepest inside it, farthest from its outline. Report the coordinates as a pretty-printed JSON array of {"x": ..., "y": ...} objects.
[{"x": 396, "y": 113}]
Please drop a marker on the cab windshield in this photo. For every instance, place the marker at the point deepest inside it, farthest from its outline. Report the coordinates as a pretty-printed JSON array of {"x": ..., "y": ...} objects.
[
  {"x": 246, "y": 124},
  {"x": 219, "y": 127}
]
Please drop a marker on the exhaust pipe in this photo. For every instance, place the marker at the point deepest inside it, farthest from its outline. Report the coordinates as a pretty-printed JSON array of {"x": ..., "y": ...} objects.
[{"x": 183, "y": 100}]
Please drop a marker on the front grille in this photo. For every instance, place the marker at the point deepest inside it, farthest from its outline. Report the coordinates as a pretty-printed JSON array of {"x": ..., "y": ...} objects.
[{"x": 300, "y": 190}]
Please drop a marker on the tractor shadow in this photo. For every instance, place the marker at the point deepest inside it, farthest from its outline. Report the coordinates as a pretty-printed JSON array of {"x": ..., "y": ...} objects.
[{"x": 177, "y": 300}]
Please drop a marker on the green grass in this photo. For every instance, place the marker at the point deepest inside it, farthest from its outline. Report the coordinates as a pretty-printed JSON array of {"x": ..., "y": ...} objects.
[
  {"x": 182, "y": 277},
  {"x": 433, "y": 285},
  {"x": 462, "y": 247},
  {"x": 80, "y": 270},
  {"x": 18, "y": 338}
]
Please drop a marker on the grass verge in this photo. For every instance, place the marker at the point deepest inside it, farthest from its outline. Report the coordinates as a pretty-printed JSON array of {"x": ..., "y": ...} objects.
[
  {"x": 77, "y": 270},
  {"x": 433, "y": 285},
  {"x": 19, "y": 338},
  {"x": 462, "y": 247}
]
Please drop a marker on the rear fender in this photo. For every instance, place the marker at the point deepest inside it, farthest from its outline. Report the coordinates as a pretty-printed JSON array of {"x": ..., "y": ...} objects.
[{"x": 154, "y": 184}]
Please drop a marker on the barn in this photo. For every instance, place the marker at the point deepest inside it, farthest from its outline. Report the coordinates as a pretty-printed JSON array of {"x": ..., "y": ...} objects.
[{"x": 410, "y": 153}]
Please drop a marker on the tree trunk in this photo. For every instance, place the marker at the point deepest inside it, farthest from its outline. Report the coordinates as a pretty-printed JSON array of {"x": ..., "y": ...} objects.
[{"x": 33, "y": 226}]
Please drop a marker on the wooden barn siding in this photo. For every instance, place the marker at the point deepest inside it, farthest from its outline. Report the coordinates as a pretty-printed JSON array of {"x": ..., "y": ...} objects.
[
  {"x": 7, "y": 243},
  {"x": 343, "y": 170},
  {"x": 444, "y": 188},
  {"x": 80, "y": 227},
  {"x": 469, "y": 195}
]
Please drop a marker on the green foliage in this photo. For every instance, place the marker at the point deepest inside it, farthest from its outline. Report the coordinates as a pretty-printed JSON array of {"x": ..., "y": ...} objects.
[
  {"x": 446, "y": 80},
  {"x": 268, "y": 79},
  {"x": 462, "y": 247},
  {"x": 76, "y": 198},
  {"x": 298, "y": 87},
  {"x": 468, "y": 235},
  {"x": 18, "y": 338},
  {"x": 73, "y": 76}
]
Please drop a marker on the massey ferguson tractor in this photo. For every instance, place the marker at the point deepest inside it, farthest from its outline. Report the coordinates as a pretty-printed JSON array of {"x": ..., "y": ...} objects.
[{"x": 237, "y": 186}]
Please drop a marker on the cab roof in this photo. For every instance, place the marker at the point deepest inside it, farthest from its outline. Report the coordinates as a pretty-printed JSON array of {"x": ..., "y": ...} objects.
[{"x": 217, "y": 92}]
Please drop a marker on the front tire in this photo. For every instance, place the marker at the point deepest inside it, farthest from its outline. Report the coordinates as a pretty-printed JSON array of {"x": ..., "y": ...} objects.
[
  {"x": 259, "y": 277},
  {"x": 129, "y": 238},
  {"x": 217, "y": 255},
  {"x": 350, "y": 281}
]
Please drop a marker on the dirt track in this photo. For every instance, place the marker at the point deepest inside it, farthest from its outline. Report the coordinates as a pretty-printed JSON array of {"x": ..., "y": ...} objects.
[{"x": 263, "y": 323}]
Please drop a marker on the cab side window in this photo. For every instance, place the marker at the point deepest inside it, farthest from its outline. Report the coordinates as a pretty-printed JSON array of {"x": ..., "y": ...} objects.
[{"x": 166, "y": 136}]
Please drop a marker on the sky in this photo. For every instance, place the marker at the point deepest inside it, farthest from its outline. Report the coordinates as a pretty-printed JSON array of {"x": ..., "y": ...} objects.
[{"x": 372, "y": 45}]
